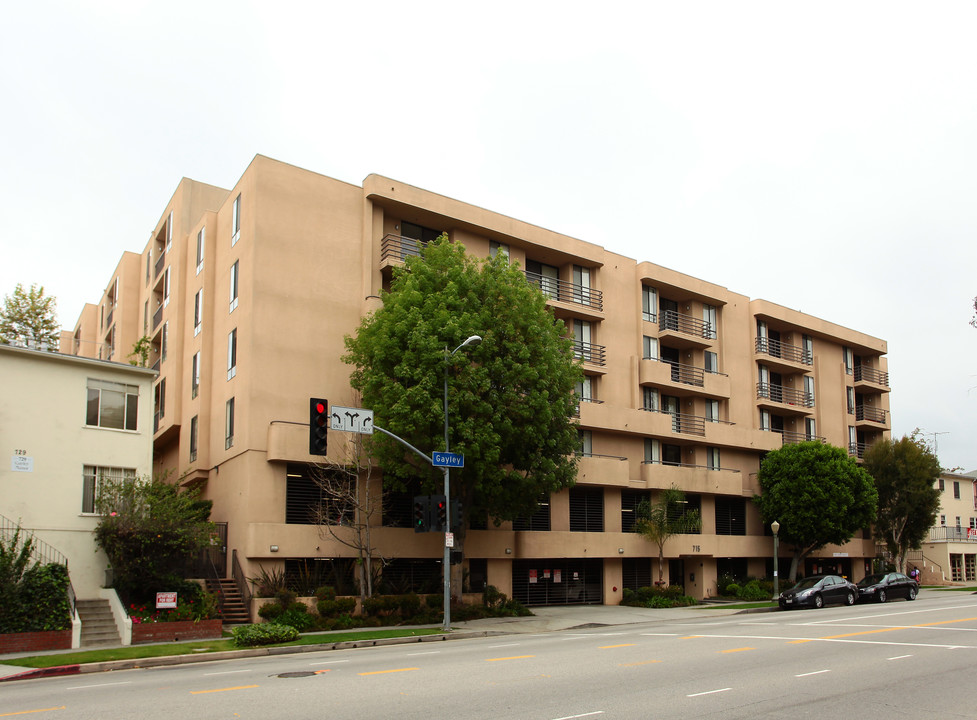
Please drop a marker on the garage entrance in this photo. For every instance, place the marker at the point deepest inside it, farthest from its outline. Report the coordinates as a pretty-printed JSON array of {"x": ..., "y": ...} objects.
[{"x": 564, "y": 581}]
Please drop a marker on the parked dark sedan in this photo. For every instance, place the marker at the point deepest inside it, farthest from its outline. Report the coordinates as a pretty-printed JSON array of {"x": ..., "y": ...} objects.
[
  {"x": 818, "y": 591},
  {"x": 882, "y": 586}
]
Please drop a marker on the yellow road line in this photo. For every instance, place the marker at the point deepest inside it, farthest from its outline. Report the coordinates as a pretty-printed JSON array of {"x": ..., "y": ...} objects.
[
  {"x": 737, "y": 650},
  {"x": 28, "y": 712},
  {"x": 514, "y": 657},
  {"x": 611, "y": 647},
  {"x": 384, "y": 672},
  {"x": 239, "y": 687},
  {"x": 646, "y": 662},
  {"x": 690, "y": 637}
]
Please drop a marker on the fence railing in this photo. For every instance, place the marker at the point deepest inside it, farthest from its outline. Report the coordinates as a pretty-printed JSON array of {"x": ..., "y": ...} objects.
[
  {"x": 947, "y": 533},
  {"x": 785, "y": 395},
  {"x": 864, "y": 412},
  {"x": 869, "y": 374},
  {"x": 778, "y": 349},
  {"x": 398, "y": 247},
  {"x": 793, "y": 438},
  {"x": 686, "y": 324},
  {"x": 243, "y": 586},
  {"x": 565, "y": 291},
  {"x": 160, "y": 262},
  {"x": 590, "y": 352}
]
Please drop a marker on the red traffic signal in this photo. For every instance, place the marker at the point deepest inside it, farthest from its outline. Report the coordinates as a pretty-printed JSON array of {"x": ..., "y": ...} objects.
[{"x": 318, "y": 426}]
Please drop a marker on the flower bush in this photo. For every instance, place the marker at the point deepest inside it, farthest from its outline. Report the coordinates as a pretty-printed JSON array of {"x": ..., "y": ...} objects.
[{"x": 190, "y": 606}]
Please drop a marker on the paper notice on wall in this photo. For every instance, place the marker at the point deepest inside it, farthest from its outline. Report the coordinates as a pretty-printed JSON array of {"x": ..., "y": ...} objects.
[
  {"x": 532, "y": 576},
  {"x": 557, "y": 575},
  {"x": 546, "y": 574}
]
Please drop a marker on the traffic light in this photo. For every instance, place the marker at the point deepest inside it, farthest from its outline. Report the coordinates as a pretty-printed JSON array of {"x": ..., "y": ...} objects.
[
  {"x": 456, "y": 510},
  {"x": 439, "y": 514},
  {"x": 318, "y": 425},
  {"x": 422, "y": 513}
]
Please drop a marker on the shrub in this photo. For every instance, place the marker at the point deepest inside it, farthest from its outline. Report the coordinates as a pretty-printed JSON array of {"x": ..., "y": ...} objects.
[
  {"x": 732, "y": 590},
  {"x": 268, "y": 582},
  {"x": 331, "y": 607},
  {"x": 325, "y": 593},
  {"x": 754, "y": 591},
  {"x": 263, "y": 634},
  {"x": 270, "y": 611},
  {"x": 296, "y": 616}
]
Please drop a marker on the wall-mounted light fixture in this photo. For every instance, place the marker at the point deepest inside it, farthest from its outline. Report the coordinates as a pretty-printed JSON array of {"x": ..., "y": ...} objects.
[
  {"x": 508, "y": 551},
  {"x": 273, "y": 548},
  {"x": 620, "y": 551}
]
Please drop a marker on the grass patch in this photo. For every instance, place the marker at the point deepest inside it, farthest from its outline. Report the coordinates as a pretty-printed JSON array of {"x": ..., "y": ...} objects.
[
  {"x": 951, "y": 589},
  {"x": 202, "y": 647}
]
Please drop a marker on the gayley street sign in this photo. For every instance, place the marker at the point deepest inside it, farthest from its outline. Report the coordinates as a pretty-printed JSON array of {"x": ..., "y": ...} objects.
[{"x": 447, "y": 459}]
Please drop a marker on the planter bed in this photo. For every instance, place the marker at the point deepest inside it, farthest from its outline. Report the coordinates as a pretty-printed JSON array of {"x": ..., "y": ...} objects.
[
  {"x": 31, "y": 641},
  {"x": 181, "y": 630}
]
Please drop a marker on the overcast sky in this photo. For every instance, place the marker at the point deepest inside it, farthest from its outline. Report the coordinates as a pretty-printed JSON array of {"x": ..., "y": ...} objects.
[{"x": 817, "y": 155}]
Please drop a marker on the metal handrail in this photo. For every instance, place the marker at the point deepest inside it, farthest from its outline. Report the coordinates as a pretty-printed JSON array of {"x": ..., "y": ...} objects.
[
  {"x": 399, "y": 247},
  {"x": 580, "y": 453},
  {"x": 776, "y": 348},
  {"x": 41, "y": 551},
  {"x": 157, "y": 317},
  {"x": 242, "y": 583},
  {"x": 864, "y": 412},
  {"x": 785, "y": 395},
  {"x": 870, "y": 374},
  {"x": 687, "y": 374},
  {"x": 589, "y": 352},
  {"x": 673, "y": 320},
  {"x": 793, "y": 438},
  {"x": 688, "y": 465},
  {"x": 564, "y": 291},
  {"x": 948, "y": 533},
  {"x": 160, "y": 262}
]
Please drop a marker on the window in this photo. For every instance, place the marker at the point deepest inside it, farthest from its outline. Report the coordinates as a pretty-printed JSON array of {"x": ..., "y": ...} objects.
[
  {"x": 712, "y": 411},
  {"x": 956, "y": 491},
  {"x": 93, "y": 476},
  {"x": 650, "y": 399},
  {"x": 112, "y": 405},
  {"x": 942, "y": 485},
  {"x": 194, "y": 427},
  {"x": 169, "y": 231},
  {"x": 236, "y": 220},
  {"x": 712, "y": 458},
  {"x": 852, "y": 439},
  {"x": 730, "y": 515},
  {"x": 201, "y": 238},
  {"x": 958, "y": 521},
  {"x": 539, "y": 521},
  {"x": 585, "y": 388},
  {"x": 229, "y": 424},
  {"x": 159, "y": 403},
  {"x": 709, "y": 322},
  {"x": 586, "y": 442},
  {"x": 234, "y": 281},
  {"x": 145, "y": 318},
  {"x": 166, "y": 286},
  {"x": 809, "y": 391},
  {"x": 195, "y": 375},
  {"x": 711, "y": 362},
  {"x": 581, "y": 285},
  {"x": 649, "y": 348},
  {"x": 232, "y": 354},
  {"x": 497, "y": 248},
  {"x": 545, "y": 277},
  {"x": 765, "y": 420},
  {"x": 581, "y": 339},
  {"x": 850, "y": 393},
  {"x": 807, "y": 347},
  {"x": 149, "y": 265},
  {"x": 164, "y": 340},
  {"x": 849, "y": 360},
  {"x": 652, "y": 451},
  {"x": 630, "y": 500},
  {"x": 942, "y": 520},
  {"x": 649, "y": 303},
  {"x": 810, "y": 430},
  {"x": 586, "y": 509},
  {"x": 198, "y": 311}
]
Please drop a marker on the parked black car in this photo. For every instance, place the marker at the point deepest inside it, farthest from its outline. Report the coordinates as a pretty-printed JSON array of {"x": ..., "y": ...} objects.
[
  {"x": 882, "y": 586},
  {"x": 819, "y": 590}
]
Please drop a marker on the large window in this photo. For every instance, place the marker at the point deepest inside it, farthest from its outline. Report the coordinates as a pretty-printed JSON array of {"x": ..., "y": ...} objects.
[
  {"x": 649, "y": 346},
  {"x": 730, "y": 515},
  {"x": 630, "y": 500},
  {"x": 195, "y": 375},
  {"x": 159, "y": 403},
  {"x": 711, "y": 362},
  {"x": 649, "y": 303},
  {"x": 586, "y": 509},
  {"x": 545, "y": 277},
  {"x": 236, "y": 220},
  {"x": 538, "y": 521},
  {"x": 93, "y": 476},
  {"x": 232, "y": 354},
  {"x": 234, "y": 283},
  {"x": 194, "y": 429},
  {"x": 198, "y": 311},
  {"x": 166, "y": 286},
  {"x": 229, "y": 424},
  {"x": 497, "y": 248},
  {"x": 164, "y": 340},
  {"x": 112, "y": 405},
  {"x": 201, "y": 239}
]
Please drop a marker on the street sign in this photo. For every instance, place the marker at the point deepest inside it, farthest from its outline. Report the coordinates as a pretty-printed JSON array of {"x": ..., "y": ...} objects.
[
  {"x": 447, "y": 459},
  {"x": 449, "y": 539},
  {"x": 356, "y": 420}
]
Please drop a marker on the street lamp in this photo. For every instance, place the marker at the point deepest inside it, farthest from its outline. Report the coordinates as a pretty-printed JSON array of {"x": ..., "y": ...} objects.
[
  {"x": 775, "y": 526},
  {"x": 446, "y": 568}
]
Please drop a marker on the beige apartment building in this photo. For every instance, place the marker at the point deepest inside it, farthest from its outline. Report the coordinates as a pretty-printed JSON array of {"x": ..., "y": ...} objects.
[
  {"x": 949, "y": 555},
  {"x": 246, "y": 295}
]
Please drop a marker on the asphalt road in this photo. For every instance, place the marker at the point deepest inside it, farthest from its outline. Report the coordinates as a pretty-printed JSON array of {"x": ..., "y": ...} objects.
[{"x": 901, "y": 659}]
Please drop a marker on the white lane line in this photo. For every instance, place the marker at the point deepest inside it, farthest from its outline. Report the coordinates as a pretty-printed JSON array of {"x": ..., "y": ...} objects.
[
  {"x": 506, "y": 645},
  {"x": 888, "y": 614},
  {"x": 816, "y": 672},
  {"x": 709, "y": 692},
  {"x": 429, "y": 652},
  {"x": 571, "y": 717},
  {"x": 786, "y": 638},
  {"x": 227, "y": 672},
  {"x": 660, "y": 634},
  {"x": 85, "y": 687},
  {"x": 899, "y": 657},
  {"x": 329, "y": 662}
]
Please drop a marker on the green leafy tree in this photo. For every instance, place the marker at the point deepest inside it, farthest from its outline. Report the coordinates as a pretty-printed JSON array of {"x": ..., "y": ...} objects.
[
  {"x": 149, "y": 530},
  {"x": 140, "y": 352},
  {"x": 33, "y": 597},
  {"x": 818, "y": 494},
  {"x": 905, "y": 473},
  {"x": 665, "y": 518},
  {"x": 511, "y": 397},
  {"x": 29, "y": 318}
]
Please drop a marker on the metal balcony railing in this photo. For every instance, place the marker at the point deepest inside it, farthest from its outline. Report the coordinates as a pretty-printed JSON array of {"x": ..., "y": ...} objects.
[
  {"x": 398, "y": 247},
  {"x": 160, "y": 262},
  {"x": 947, "y": 533},
  {"x": 688, "y": 465},
  {"x": 589, "y": 352},
  {"x": 688, "y": 374},
  {"x": 567, "y": 291},
  {"x": 869, "y": 374},
  {"x": 157, "y": 317},
  {"x": 785, "y": 395},
  {"x": 686, "y": 423},
  {"x": 583, "y": 400},
  {"x": 686, "y": 324},
  {"x": 778, "y": 349},
  {"x": 793, "y": 438},
  {"x": 864, "y": 412},
  {"x": 108, "y": 318}
]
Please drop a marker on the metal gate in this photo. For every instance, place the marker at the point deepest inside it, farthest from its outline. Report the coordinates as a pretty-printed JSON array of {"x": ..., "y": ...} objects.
[{"x": 563, "y": 581}]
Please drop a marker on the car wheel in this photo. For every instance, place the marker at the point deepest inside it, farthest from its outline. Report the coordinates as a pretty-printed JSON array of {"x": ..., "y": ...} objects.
[
  {"x": 818, "y": 601},
  {"x": 851, "y": 598},
  {"x": 912, "y": 594},
  {"x": 882, "y": 596}
]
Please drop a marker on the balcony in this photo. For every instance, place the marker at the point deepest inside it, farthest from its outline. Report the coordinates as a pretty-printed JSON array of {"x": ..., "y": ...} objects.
[
  {"x": 793, "y": 438},
  {"x": 691, "y": 478},
  {"x": 394, "y": 249},
  {"x": 784, "y": 398},
  {"x": 160, "y": 263},
  {"x": 870, "y": 378},
  {"x": 567, "y": 292},
  {"x": 685, "y": 331},
  {"x": 865, "y": 413},
  {"x": 947, "y": 533},
  {"x": 590, "y": 352},
  {"x": 157, "y": 317},
  {"x": 683, "y": 380},
  {"x": 783, "y": 357}
]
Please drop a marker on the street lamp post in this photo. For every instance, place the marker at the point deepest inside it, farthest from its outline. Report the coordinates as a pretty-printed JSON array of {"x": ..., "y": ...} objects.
[
  {"x": 775, "y": 526},
  {"x": 446, "y": 567}
]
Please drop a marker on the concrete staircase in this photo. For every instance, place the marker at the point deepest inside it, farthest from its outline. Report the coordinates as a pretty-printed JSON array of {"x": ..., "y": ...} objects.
[
  {"x": 97, "y": 623},
  {"x": 235, "y": 611}
]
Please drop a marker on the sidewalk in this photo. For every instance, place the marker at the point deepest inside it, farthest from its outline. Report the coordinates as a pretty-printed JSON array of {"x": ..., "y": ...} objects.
[{"x": 545, "y": 619}]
